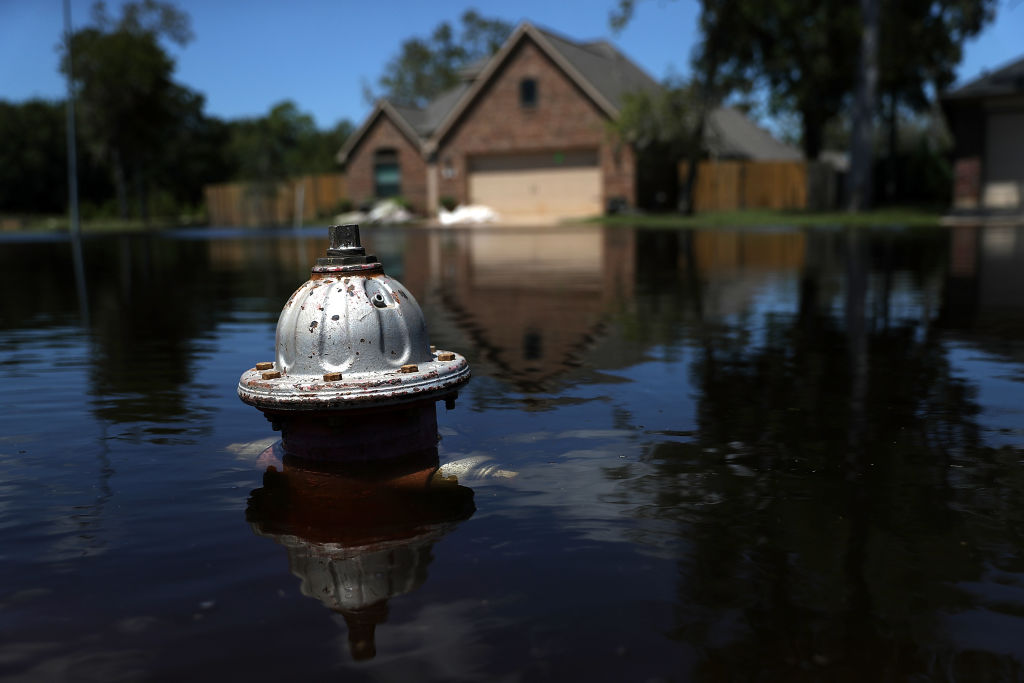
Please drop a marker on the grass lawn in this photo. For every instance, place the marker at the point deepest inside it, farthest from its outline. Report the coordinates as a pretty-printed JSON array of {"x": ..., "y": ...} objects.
[
  {"x": 59, "y": 224},
  {"x": 889, "y": 216}
]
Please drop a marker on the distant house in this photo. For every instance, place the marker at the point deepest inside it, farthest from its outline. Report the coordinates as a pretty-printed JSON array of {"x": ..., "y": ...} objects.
[
  {"x": 524, "y": 133},
  {"x": 986, "y": 117}
]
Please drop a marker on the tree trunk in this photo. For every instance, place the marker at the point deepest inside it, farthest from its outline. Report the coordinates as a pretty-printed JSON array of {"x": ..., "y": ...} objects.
[
  {"x": 812, "y": 133},
  {"x": 688, "y": 206},
  {"x": 141, "y": 196},
  {"x": 891, "y": 181},
  {"x": 859, "y": 181},
  {"x": 120, "y": 185}
]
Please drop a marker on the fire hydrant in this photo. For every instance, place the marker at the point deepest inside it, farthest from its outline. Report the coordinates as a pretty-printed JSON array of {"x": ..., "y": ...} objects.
[{"x": 355, "y": 376}]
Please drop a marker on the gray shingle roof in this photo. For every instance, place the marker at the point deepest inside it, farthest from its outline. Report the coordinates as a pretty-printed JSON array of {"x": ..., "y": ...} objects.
[
  {"x": 612, "y": 75},
  {"x": 731, "y": 134},
  {"x": 425, "y": 121},
  {"x": 442, "y": 104},
  {"x": 607, "y": 69},
  {"x": 1008, "y": 80},
  {"x": 413, "y": 116}
]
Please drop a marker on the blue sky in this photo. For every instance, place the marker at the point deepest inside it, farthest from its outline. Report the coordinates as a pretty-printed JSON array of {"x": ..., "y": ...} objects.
[{"x": 249, "y": 54}]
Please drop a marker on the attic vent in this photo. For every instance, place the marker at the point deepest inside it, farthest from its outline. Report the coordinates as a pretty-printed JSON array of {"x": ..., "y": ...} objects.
[{"x": 528, "y": 93}]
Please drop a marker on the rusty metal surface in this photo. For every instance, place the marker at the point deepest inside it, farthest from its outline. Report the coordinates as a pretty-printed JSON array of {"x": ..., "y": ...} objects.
[
  {"x": 373, "y": 434},
  {"x": 350, "y": 337},
  {"x": 304, "y": 392},
  {"x": 351, "y": 324}
]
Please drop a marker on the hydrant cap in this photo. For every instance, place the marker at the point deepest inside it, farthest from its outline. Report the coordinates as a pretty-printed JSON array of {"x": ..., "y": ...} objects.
[{"x": 351, "y": 336}]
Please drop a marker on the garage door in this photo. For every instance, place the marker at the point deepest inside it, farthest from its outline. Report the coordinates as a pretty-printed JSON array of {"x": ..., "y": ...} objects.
[{"x": 549, "y": 184}]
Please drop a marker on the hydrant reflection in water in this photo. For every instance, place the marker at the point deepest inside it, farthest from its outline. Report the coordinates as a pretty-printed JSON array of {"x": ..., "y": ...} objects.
[{"x": 358, "y": 536}]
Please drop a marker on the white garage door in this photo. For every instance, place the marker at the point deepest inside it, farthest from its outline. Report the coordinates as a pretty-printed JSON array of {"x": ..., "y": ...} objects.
[{"x": 548, "y": 184}]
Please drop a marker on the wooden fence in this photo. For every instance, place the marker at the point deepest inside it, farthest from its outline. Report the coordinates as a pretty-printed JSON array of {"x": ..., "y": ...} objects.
[
  {"x": 256, "y": 204},
  {"x": 725, "y": 185}
]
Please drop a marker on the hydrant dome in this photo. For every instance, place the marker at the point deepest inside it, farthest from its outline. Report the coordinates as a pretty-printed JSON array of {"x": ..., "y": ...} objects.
[
  {"x": 355, "y": 325},
  {"x": 351, "y": 337}
]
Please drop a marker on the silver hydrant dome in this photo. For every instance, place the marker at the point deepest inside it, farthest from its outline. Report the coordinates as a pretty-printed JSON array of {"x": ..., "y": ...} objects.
[{"x": 351, "y": 336}]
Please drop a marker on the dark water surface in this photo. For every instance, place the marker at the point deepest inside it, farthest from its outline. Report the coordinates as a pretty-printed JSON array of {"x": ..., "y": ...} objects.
[{"x": 737, "y": 455}]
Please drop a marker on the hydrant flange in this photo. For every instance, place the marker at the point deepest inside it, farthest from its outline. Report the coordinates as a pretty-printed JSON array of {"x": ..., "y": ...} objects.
[{"x": 351, "y": 337}]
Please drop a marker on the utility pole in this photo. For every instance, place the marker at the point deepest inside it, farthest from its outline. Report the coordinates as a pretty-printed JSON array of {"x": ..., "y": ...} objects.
[{"x": 75, "y": 227}]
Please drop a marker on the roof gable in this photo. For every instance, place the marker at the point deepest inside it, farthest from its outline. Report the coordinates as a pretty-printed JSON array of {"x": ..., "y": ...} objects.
[
  {"x": 1007, "y": 80},
  {"x": 603, "y": 73},
  {"x": 404, "y": 118},
  {"x": 608, "y": 70},
  {"x": 598, "y": 69}
]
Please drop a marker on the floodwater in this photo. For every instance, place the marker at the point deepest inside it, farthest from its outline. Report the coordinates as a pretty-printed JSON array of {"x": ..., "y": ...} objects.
[{"x": 773, "y": 455}]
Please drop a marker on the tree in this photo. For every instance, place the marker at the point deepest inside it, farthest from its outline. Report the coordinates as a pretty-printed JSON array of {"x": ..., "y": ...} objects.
[
  {"x": 803, "y": 51},
  {"x": 807, "y": 54},
  {"x": 908, "y": 78},
  {"x": 859, "y": 181},
  {"x": 668, "y": 124},
  {"x": 127, "y": 101},
  {"x": 33, "y": 157},
  {"x": 33, "y": 161},
  {"x": 283, "y": 144},
  {"x": 426, "y": 67},
  {"x": 194, "y": 153},
  {"x": 677, "y": 117}
]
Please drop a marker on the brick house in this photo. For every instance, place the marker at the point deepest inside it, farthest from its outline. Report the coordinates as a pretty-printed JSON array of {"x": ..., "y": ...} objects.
[
  {"x": 986, "y": 117},
  {"x": 526, "y": 132}
]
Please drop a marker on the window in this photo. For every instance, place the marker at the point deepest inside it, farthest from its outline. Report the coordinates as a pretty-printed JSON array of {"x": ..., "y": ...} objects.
[
  {"x": 387, "y": 177},
  {"x": 528, "y": 93}
]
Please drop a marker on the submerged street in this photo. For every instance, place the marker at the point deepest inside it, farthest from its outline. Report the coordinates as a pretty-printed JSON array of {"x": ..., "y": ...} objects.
[{"x": 786, "y": 454}]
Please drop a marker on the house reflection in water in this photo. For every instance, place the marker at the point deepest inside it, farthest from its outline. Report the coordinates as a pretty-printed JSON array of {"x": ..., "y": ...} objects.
[
  {"x": 358, "y": 537},
  {"x": 987, "y": 278},
  {"x": 531, "y": 304}
]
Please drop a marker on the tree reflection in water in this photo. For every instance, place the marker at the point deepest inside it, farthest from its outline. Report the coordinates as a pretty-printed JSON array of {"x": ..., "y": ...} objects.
[{"x": 838, "y": 493}]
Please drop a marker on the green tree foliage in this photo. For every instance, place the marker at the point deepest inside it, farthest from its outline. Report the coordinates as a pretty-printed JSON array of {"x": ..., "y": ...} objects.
[
  {"x": 665, "y": 119},
  {"x": 908, "y": 77},
  {"x": 33, "y": 157},
  {"x": 805, "y": 52},
  {"x": 922, "y": 44},
  {"x": 426, "y": 67},
  {"x": 664, "y": 126},
  {"x": 33, "y": 161},
  {"x": 194, "y": 153},
  {"x": 127, "y": 102},
  {"x": 283, "y": 144},
  {"x": 681, "y": 112}
]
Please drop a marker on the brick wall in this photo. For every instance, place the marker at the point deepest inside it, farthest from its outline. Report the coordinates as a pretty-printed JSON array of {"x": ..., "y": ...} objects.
[
  {"x": 359, "y": 166},
  {"x": 967, "y": 183},
  {"x": 564, "y": 118}
]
